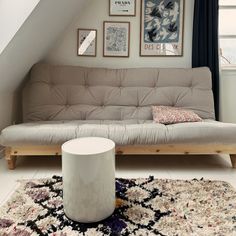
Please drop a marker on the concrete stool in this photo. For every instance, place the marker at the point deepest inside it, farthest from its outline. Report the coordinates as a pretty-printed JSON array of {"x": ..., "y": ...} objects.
[{"x": 88, "y": 168}]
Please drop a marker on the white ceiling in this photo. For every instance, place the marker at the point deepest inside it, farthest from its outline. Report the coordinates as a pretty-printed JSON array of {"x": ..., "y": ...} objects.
[
  {"x": 35, "y": 38},
  {"x": 12, "y": 15}
]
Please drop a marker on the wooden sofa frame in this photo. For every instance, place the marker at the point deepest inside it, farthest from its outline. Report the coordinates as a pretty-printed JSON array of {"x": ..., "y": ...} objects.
[{"x": 11, "y": 153}]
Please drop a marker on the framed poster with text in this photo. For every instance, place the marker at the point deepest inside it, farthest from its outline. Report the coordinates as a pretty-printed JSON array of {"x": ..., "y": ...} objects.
[
  {"x": 122, "y": 7},
  {"x": 162, "y": 26}
]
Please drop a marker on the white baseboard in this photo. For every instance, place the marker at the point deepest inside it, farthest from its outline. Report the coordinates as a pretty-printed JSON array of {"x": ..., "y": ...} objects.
[{"x": 2, "y": 149}]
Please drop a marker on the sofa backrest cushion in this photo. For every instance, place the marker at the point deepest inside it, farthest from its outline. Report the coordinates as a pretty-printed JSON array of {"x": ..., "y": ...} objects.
[{"x": 80, "y": 93}]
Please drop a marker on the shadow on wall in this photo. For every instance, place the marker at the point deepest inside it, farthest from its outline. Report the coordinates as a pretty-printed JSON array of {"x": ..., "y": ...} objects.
[
  {"x": 11, "y": 106},
  {"x": 17, "y": 108}
]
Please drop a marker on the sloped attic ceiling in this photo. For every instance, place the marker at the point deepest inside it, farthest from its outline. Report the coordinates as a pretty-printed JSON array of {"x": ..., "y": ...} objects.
[
  {"x": 12, "y": 15},
  {"x": 34, "y": 39}
]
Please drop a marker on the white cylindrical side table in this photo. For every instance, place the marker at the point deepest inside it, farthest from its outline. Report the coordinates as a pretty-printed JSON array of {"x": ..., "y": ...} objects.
[{"x": 88, "y": 169}]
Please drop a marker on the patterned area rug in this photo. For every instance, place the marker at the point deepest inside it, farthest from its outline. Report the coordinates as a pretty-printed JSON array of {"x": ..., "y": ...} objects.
[{"x": 145, "y": 207}]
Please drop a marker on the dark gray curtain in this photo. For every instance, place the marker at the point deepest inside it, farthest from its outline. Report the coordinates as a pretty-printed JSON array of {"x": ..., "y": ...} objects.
[{"x": 205, "y": 42}]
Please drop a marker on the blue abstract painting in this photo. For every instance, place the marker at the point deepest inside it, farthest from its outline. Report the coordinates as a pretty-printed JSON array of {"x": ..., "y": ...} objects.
[{"x": 161, "y": 21}]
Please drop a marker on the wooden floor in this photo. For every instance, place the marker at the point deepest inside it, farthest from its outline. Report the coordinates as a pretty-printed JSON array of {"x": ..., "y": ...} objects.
[{"x": 172, "y": 167}]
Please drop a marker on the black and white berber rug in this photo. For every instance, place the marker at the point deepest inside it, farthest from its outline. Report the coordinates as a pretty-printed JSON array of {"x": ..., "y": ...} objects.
[{"x": 145, "y": 207}]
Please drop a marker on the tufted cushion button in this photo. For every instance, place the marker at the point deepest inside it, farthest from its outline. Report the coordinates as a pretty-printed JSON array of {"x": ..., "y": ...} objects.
[{"x": 51, "y": 86}]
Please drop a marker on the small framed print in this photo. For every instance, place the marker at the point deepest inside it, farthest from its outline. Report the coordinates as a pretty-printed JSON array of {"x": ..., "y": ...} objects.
[
  {"x": 122, "y": 7},
  {"x": 162, "y": 26},
  {"x": 87, "y": 42},
  {"x": 116, "y": 39}
]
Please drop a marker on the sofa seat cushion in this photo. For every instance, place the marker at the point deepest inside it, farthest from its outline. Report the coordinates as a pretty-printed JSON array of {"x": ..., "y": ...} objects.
[{"x": 126, "y": 132}]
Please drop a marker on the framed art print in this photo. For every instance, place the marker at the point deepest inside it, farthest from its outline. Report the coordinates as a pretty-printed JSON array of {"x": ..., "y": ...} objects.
[
  {"x": 162, "y": 25},
  {"x": 87, "y": 42},
  {"x": 116, "y": 39},
  {"x": 122, "y": 8}
]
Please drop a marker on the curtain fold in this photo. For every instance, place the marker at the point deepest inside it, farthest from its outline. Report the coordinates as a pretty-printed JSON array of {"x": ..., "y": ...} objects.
[{"x": 205, "y": 47}]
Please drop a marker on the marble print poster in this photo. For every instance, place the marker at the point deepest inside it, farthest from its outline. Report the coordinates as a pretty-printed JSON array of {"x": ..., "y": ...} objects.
[{"x": 116, "y": 39}]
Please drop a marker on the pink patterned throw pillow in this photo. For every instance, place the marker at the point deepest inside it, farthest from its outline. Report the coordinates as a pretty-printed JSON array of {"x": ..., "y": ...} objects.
[{"x": 172, "y": 115}]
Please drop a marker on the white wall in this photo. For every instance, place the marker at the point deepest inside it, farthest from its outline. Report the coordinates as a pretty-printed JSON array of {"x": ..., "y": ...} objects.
[
  {"x": 35, "y": 38},
  {"x": 30, "y": 45},
  {"x": 93, "y": 16},
  {"x": 12, "y": 15},
  {"x": 228, "y": 96}
]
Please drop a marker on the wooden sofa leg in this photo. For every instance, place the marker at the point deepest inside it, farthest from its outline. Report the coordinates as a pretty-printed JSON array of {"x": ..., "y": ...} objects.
[
  {"x": 12, "y": 163},
  {"x": 11, "y": 160},
  {"x": 233, "y": 160}
]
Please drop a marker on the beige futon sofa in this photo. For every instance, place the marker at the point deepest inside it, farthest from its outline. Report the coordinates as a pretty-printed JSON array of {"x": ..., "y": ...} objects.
[{"x": 65, "y": 102}]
